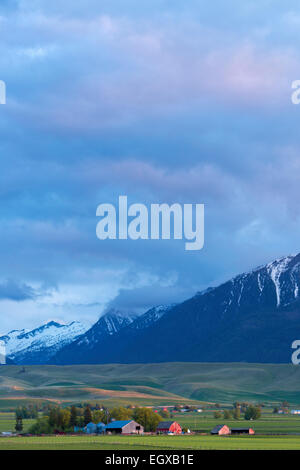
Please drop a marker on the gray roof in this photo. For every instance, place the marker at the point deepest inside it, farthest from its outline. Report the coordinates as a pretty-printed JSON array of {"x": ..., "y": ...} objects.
[
  {"x": 217, "y": 428},
  {"x": 165, "y": 424}
]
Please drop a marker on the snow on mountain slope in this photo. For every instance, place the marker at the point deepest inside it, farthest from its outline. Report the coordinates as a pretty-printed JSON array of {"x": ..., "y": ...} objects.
[
  {"x": 151, "y": 316},
  {"x": 38, "y": 345},
  {"x": 107, "y": 325},
  {"x": 112, "y": 328},
  {"x": 253, "y": 317}
]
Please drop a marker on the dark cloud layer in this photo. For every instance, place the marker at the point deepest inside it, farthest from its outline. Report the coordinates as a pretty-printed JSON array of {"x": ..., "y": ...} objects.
[
  {"x": 165, "y": 102},
  {"x": 11, "y": 290}
]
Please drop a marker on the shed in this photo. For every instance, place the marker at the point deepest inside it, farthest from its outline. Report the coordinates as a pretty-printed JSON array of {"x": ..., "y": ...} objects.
[
  {"x": 242, "y": 431},
  {"x": 124, "y": 427},
  {"x": 166, "y": 427},
  {"x": 90, "y": 428},
  {"x": 100, "y": 428},
  {"x": 221, "y": 430}
]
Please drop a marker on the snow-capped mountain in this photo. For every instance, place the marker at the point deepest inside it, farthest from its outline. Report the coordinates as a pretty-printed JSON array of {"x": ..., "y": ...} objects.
[
  {"x": 38, "y": 345},
  {"x": 107, "y": 326},
  {"x": 150, "y": 317},
  {"x": 109, "y": 329},
  {"x": 254, "y": 317}
]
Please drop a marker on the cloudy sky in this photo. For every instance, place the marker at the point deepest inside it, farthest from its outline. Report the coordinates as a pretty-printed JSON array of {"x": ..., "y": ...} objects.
[{"x": 163, "y": 101}]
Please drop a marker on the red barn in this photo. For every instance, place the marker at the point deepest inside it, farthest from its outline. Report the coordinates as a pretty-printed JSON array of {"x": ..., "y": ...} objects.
[
  {"x": 166, "y": 427},
  {"x": 220, "y": 430}
]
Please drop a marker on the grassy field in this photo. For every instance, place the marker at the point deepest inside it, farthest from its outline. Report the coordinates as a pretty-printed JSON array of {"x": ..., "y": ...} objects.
[
  {"x": 204, "y": 423},
  {"x": 157, "y": 385},
  {"x": 7, "y": 422},
  {"x": 150, "y": 384},
  {"x": 151, "y": 443},
  {"x": 267, "y": 424}
]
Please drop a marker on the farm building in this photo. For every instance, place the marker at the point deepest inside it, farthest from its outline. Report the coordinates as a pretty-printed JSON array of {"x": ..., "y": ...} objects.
[
  {"x": 242, "y": 431},
  {"x": 100, "y": 428},
  {"x": 90, "y": 428},
  {"x": 124, "y": 427},
  {"x": 221, "y": 430},
  {"x": 166, "y": 427},
  {"x": 295, "y": 412}
]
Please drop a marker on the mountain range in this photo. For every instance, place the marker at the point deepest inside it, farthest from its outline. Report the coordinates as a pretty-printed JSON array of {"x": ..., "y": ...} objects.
[
  {"x": 39, "y": 345},
  {"x": 253, "y": 317}
]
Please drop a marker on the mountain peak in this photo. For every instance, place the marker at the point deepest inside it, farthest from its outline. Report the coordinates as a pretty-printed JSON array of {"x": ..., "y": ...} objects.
[{"x": 38, "y": 345}]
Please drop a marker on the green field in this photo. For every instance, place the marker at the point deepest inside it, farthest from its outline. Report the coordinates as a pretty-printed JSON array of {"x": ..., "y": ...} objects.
[
  {"x": 267, "y": 424},
  {"x": 156, "y": 385},
  {"x": 7, "y": 422},
  {"x": 202, "y": 423},
  {"x": 150, "y": 442},
  {"x": 150, "y": 384}
]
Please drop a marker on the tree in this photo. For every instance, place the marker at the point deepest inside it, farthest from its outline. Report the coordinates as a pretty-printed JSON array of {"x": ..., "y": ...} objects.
[
  {"x": 120, "y": 413},
  {"x": 53, "y": 417},
  {"x": 73, "y": 417},
  {"x": 87, "y": 415},
  {"x": 98, "y": 416},
  {"x": 19, "y": 423},
  {"x": 41, "y": 426},
  {"x": 164, "y": 414},
  {"x": 217, "y": 414},
  {"x": 227, "y": 414},
  {"x": 252, "y": 412},
  {"x": 147, "y": 418},
  {"x": 236, "y": 413},
  {"x": 65, "y": 417}
]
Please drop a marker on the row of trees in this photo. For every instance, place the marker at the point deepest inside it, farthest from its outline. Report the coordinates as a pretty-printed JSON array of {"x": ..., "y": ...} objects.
[
  {"x": 65, "y": 419},
  {"x": 250, "y": 412},
  {"x": 27, "y": 412}
]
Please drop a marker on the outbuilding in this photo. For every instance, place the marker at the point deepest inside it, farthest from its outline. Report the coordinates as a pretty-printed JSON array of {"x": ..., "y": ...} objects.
[
  {"x": 124, "y": 427},
  {"x": 90, "y": 428},
  {"x": 242, "y": 431},
  {"x": 100, "y": 428},
  {"x": 166, "y": 427},
  {"x": 220, "y": 430}
]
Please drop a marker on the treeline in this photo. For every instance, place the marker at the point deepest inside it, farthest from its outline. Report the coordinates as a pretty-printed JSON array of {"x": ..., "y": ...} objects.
[
  {"x": 27, "y": 412},
  {"x": 57, "y": 419},
  {"x": 248, "y": 412}
]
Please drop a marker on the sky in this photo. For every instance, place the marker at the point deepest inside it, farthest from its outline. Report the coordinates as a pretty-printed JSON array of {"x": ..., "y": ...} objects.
[{"x": 162, "y": 101}]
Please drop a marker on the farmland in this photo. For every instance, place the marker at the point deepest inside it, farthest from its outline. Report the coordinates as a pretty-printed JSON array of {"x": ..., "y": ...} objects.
[
  {"x": 150, "y": 443},
  {"x": 209, "y": 386},
  {"x": 150, "y": 384}
]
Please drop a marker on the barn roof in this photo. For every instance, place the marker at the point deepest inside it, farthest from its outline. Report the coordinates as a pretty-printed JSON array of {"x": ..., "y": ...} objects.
[
  {"x": 165, "y": 424},
  {"x": 118, "y": 424},
  {"x": 218, "y": 428}
]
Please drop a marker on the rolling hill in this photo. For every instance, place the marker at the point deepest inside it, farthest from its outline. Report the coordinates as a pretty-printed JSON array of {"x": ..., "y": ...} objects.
[{"x": 151, "y": 384}]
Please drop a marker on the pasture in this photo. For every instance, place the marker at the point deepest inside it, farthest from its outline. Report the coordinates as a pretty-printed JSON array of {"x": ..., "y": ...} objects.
[
  {"x": 151, "y": 443},
  {"x": 150, "y": 384}
]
